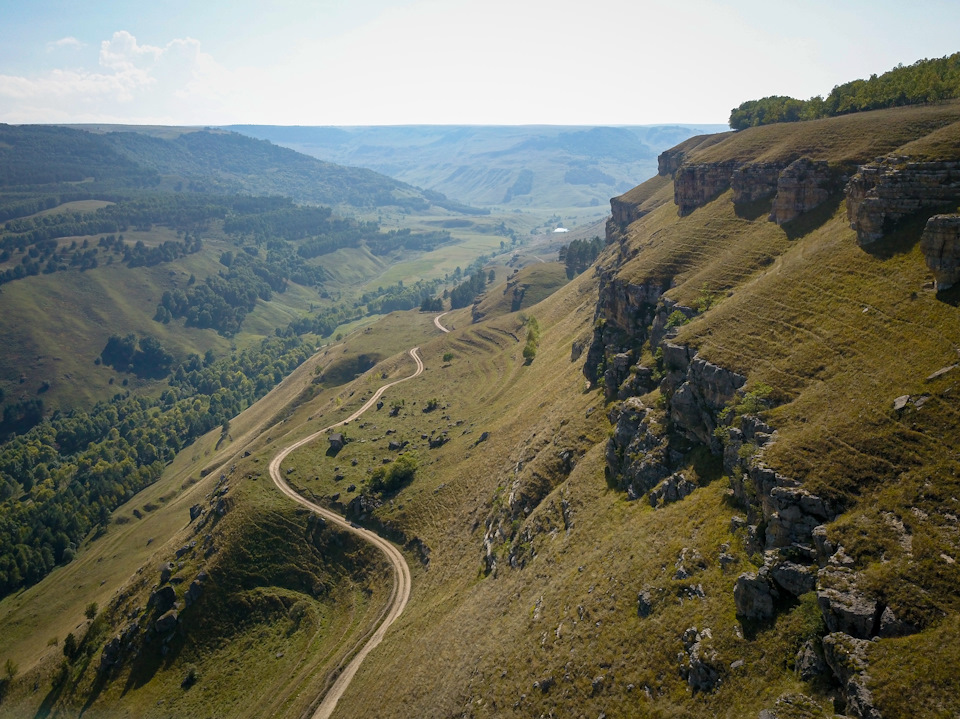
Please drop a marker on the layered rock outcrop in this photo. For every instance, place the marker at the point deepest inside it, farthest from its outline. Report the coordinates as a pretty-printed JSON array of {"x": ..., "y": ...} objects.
[
  {"x": 696, "y": 185},
  {"x": 886, "y": 191},
  {"x": 623, "y": 213},
  {"x": 669, "y": 161},
  {"x": 756, "y": 181},
  {"x": 796, "y": 187},
  {"x": 705, "y": 390},
  {"x": 940, "y": 244},
  {"x": 802, "y": 186}
]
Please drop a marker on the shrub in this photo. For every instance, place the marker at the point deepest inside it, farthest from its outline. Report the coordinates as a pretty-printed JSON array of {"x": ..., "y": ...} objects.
[
  {"x": 676, "y": 319},
  {"x": 396, "y": 475}
]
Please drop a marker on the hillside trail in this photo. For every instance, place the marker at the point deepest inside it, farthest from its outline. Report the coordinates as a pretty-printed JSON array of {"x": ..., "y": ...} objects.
[
  {"x": 436, "y": 321},
  {"x": 401, "y": 583}
]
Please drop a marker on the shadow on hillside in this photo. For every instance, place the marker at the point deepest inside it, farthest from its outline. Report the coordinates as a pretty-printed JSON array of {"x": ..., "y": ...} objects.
[
  {"x": 49, "y": 701},
  {"x": 150, "y": 660},
  {"x": 758, "y": 209},
  {"x": 902, "y": 237},
  {"x": 951, "y": 296},
  {"x": 810, "y": 221}
]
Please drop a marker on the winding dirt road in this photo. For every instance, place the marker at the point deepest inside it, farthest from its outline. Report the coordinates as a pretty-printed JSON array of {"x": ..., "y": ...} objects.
[
  {"x": 401, "y": 580},
  {"x": 436, "y": 321}
]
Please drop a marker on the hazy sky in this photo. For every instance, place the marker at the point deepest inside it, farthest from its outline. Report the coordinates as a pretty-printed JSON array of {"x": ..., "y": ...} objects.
[{"x": 365, "y": 62}]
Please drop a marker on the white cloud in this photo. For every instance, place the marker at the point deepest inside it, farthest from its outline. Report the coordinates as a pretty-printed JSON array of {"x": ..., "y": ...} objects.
[
  {"x": 138, "y": 82},
  {"x": 68, "y": 42}
]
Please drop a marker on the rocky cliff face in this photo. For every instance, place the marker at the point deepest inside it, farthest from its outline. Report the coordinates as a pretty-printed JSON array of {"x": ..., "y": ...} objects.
[
  {"x": 802, "y": 186},
  {"x": 696, "y": 185},
  {"x": 756, "y": 181},
  {"x": 623, "y": 213},
  {"x": 796, "y": 188},
  {"x": 884, "y": 192},
  {"x": 941, "y": 249},
  {"x": 701, "y": 409},
  {"x": 669, "y": 162}
]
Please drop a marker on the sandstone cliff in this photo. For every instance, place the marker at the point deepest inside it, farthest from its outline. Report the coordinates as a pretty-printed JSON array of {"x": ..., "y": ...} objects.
[
  {"x": 886, "y": 191},
  {"x": 941, "y": 249}
]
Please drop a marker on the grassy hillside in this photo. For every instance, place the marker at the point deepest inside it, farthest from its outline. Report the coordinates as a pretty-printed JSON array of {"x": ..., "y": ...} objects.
[{"x": 541, "y": 583}]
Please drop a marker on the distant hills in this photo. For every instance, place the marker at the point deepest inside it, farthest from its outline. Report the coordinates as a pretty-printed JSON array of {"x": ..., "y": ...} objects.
[
  {"x": 196, "y": 160},
  {"x": 535, "y": 167}
]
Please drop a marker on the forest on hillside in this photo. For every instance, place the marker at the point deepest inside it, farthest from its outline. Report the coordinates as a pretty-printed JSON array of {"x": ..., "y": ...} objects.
[{"x": 925, "y": 81}]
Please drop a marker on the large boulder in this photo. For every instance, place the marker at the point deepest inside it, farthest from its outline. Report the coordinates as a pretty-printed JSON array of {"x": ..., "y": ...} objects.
[
  {"x": 795, "y": 579},
  {"x": 755, "y": 596},
  {"x": 940, "y": 244},
  {"x": 164, "y": 598},
  {"x": 847, "y": 658},
  {"x": 844, "y": 607},
  {"x": 810, "y": 663}
]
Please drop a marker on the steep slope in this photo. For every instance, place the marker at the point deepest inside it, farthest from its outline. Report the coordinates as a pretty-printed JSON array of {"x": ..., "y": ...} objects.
[
  {"x": 771, "y": 524},
  {"x": 725, "y": 485}
]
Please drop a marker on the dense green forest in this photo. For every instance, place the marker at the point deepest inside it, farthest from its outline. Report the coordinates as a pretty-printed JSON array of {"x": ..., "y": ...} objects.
[
  {"x": 925, "y": 81},
  {"x": 65, "y": 476},
  {"x": 580, "y": 254}
]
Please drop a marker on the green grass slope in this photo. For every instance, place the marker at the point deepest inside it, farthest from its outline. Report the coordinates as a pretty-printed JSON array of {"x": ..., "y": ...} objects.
[{"x": 526, "y": 562}]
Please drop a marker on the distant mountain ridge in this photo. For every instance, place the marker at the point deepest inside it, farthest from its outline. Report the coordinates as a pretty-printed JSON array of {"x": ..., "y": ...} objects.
[
  {"x": 556, "y": 167},
  {"x": 210, "y": 160}
]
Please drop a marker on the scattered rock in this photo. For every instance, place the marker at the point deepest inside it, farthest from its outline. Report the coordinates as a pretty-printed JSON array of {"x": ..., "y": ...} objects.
[
  {"x": 900, "y": 403},
  {"x": 644, "y": 603},
  {"x": 672, "y": 489},
  {"x": 193, "y": 592},
  {"x": 698, "y": 666},
  {"x": 544, "y": 684},
  {"x": 195, "y": 511},
  {"x": 942, "y": 371},
  {"x": 110, "y": 654},
  {"x": 793, "y": 706}
]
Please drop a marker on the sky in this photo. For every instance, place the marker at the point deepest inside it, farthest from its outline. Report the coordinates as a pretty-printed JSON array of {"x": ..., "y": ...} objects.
[{"x": 388, "y": 62}]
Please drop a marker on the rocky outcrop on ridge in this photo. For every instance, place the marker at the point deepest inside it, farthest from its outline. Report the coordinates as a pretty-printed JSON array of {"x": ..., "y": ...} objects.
[
  {"x": 796, "y": 188},
  {"x": 884, "y": 192},
  {"x": 623, "y": 213},
  {"x": 941, "y": 249},
  {"x": 756, "y": 181},
  {"x": 696, "y": 185},
  {"x": 803, "y": 185}
]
